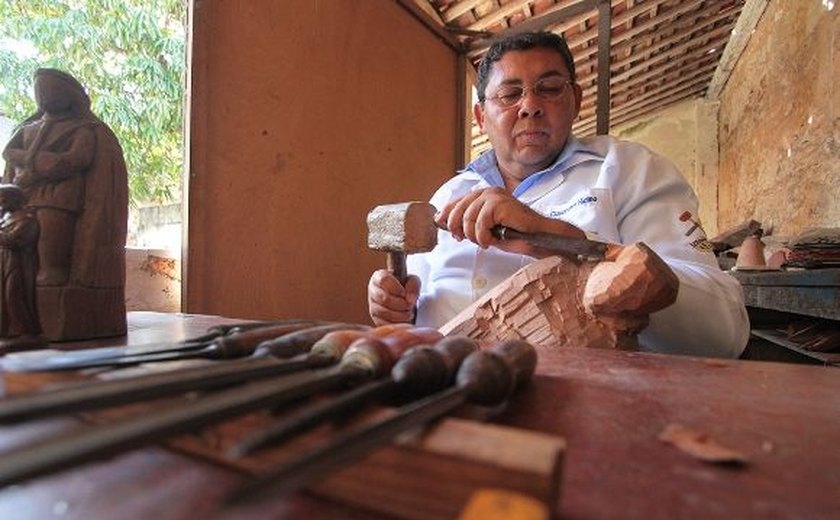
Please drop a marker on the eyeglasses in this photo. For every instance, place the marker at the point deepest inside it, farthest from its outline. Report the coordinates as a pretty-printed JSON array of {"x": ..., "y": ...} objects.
[{"x": 550, "y": 89}]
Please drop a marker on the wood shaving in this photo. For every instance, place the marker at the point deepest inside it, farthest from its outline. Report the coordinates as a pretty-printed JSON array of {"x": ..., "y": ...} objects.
[{"x": 700, "y": 445}]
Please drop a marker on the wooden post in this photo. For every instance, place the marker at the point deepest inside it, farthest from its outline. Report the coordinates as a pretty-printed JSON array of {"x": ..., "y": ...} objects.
[{"x": 603, "y": 110}]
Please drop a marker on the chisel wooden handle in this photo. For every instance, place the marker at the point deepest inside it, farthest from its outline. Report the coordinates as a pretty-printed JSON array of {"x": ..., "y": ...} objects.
[
  {"x": 377, "y": 356},
  {"x": 242, "y": 344},
  {"x": 427, "y": 369},
  {"x": 302, "y": 341},
  {"x": 333, "y": 345},
  {"x": 489, "y": 377}
]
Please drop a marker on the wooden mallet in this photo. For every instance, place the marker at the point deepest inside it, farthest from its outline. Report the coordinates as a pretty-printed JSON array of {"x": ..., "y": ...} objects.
[{"x": 400, "y": 230}]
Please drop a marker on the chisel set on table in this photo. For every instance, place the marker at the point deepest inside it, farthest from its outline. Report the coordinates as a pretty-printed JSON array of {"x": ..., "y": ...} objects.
[{"x": 309, "y": 373}]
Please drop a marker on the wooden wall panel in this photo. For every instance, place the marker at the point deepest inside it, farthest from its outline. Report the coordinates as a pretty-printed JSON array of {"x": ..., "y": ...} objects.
[{"x": 304, "y": 116}]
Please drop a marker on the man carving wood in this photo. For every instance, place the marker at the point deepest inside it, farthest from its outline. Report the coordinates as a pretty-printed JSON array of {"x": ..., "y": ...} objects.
[{"x": 538, "y": 177}]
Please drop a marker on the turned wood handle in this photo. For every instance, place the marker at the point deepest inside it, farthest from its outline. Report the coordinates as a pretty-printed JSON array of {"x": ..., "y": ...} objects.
[{"x": 396, "y": 264}]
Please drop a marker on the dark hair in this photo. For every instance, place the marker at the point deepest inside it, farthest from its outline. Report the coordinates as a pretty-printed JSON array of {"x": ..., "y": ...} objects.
[{"x": 522, "y": 42}]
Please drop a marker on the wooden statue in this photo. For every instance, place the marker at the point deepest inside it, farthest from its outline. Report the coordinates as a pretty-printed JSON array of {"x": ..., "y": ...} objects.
[
  {"x": 71, "y": 167},
  {"x": 20, "y": 327},
  {"x": 560, "y": 302}
]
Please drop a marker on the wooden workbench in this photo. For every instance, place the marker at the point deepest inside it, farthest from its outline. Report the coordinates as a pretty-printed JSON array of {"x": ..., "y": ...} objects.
[{"x": 610, "y": 407}]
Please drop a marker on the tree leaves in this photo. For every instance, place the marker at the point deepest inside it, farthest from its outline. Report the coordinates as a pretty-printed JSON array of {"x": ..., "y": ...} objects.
[{"x": 129, "y": 54}]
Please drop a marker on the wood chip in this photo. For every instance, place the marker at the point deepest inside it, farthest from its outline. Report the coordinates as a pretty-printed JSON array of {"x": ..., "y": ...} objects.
[{"x": 700, "y": 445}]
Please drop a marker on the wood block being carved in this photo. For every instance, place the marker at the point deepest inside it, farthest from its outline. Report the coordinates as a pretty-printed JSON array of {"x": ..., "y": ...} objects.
[{"x": 558, "y": 302}]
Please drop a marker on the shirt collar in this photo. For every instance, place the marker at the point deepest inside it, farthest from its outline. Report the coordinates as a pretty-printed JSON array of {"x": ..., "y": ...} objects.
[{"x": 576, "y": 151}]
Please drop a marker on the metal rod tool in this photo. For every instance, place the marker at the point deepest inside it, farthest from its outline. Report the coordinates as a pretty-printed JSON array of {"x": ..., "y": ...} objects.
[
  {"x": 485, "y": 378},
  {"x": 269, "y": 358},
  {"x": 220, "y": 342},
  {"x": 369, "y": 358},
  {"x": 421, "y": 371}
]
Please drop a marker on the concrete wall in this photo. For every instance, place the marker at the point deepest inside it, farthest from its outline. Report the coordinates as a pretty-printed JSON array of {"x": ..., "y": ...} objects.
[
  {"x": 153, "y": 280},
  {"x": 685, "y": 133},
  {"x": 780, "y": 122},
  {"x": 672, "y": 132},
  {"x": 303, "y": 117}
]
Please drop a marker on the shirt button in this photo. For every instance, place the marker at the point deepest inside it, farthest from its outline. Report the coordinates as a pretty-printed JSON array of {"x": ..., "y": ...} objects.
[{"x": 479, "y": 283}]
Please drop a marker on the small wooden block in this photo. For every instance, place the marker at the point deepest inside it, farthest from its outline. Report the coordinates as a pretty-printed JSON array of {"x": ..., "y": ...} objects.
[
  {"x": 430, "y": 476},
  {"x": 434, "y": 477}
]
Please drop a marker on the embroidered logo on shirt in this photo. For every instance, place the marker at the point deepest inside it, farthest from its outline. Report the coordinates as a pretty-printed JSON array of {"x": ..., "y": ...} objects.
[
  {"x": 589, "y": 199},
  {"x": 700, "y": 243}
]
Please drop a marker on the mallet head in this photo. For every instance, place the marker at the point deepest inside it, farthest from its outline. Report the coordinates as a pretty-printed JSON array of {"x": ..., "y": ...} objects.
[{"x": 402, "y": 229}]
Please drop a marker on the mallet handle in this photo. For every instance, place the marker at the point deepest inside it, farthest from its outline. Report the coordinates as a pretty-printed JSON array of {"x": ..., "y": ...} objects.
[{"x": 396, "y": 264}]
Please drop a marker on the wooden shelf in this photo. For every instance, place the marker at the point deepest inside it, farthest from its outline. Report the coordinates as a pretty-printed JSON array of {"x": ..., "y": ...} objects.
[{"x": 778, "y": 338}]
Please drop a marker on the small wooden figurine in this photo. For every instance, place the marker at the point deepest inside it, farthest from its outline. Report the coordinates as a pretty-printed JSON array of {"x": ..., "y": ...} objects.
[
  {"x": 71, "y": 167},
  {"x": 559, "y": 302},
  {"x": 20, "y": 327}
]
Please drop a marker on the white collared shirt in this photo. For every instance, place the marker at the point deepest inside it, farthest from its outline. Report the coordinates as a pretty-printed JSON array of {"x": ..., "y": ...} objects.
[{"x": 615, "y": 191}]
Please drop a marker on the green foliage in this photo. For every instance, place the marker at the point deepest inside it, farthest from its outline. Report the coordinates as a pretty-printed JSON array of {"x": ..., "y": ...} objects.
[{"x": 129, "y": 54}]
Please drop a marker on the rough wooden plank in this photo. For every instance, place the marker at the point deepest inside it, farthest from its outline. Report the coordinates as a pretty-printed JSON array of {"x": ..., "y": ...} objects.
[
  {"x": 435, "y": 477},
  {"x": 423, "y": 476}
]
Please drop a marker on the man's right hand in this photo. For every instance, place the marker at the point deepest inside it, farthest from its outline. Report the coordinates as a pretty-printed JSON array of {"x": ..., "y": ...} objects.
[{"x": 390, "y": 302}]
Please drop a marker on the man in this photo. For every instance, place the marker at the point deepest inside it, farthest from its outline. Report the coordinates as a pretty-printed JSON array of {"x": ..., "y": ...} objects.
[{"x": 540, "y": 178}]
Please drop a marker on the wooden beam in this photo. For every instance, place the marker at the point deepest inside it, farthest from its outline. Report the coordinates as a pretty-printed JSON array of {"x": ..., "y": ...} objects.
[
  {"x": 422, "y": 13},
  {"x": 463, "y": 91},
  {"x": 459, "y": 8},
  {"x": 675, "y": 51},
  {"x": 617, "y": 21},
  {"x": 750, "y": 16},
  {"x": 720, "y": 34},
  {"x": 603, "y": 110},
  {"x": 662, "y": 18},
  {"x": 674, "y": 85},
  {"x": 630, "y": 112},
  {"x": 626, "y": 92},
  {"x": 497, "y": 15},
  {"x": 538, "y": 23}
]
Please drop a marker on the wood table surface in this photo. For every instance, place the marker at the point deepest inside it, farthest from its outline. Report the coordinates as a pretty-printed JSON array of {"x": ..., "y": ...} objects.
[{"x": 609, "y": 406}]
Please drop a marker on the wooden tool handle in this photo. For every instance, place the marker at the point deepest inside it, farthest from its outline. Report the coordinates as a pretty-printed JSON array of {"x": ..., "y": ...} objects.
[
  {"x": 428, "y": 369},
  {"x": 378, "y": 356},
  {"x": 301, "y": 341},
  {"x": 489, "y": 377},
  {"x": 396, "y": 264},
  {"x": 244, "y": 343}
]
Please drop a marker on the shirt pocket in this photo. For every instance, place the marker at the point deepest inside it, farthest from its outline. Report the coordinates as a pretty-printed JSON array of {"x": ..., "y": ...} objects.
[{"x": 592, "y": 210}]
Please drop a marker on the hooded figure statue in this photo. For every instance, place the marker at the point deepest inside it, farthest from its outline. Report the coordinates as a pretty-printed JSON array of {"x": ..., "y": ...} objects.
[{"x": 71, "y": 168}]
